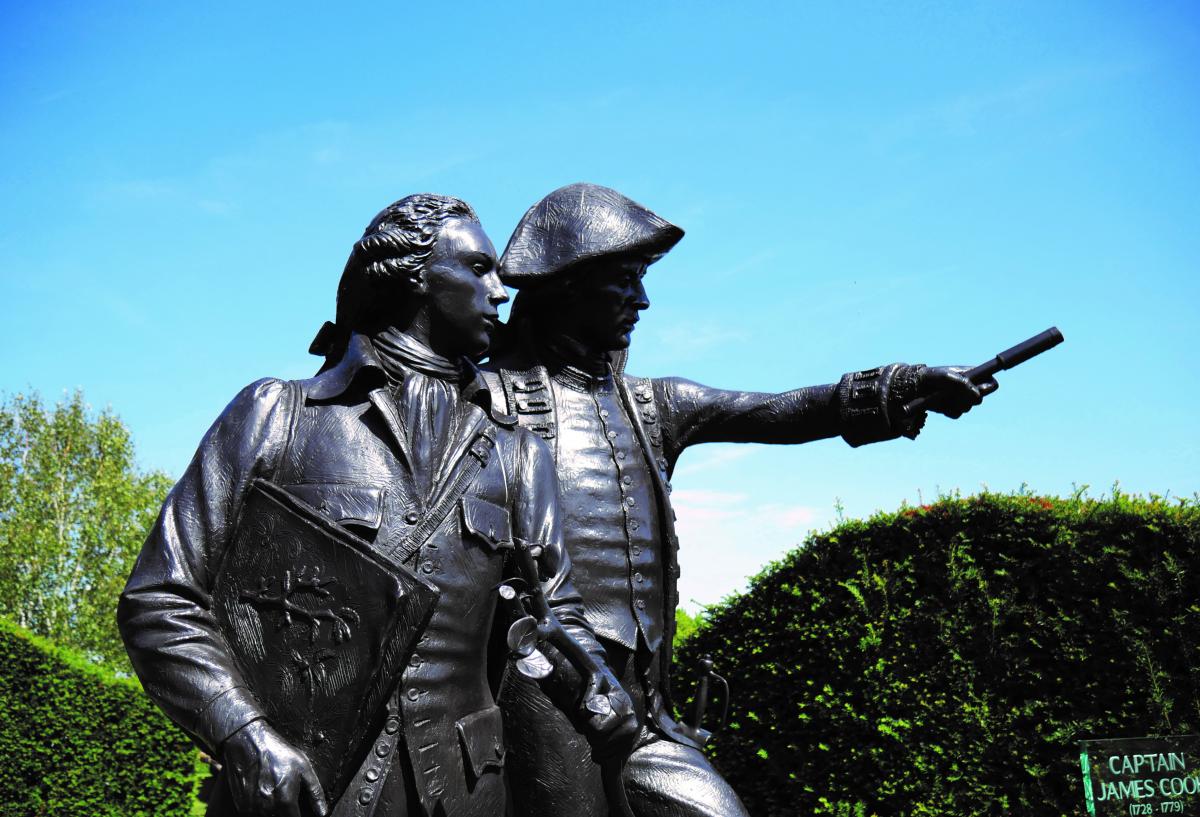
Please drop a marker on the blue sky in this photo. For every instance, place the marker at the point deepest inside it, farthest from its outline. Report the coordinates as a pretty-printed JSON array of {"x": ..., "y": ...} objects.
[{"x": 859, "y": 182}]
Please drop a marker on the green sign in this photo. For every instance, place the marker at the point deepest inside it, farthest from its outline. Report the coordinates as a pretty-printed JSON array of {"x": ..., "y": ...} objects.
[{"x": 1130, "y": 776}]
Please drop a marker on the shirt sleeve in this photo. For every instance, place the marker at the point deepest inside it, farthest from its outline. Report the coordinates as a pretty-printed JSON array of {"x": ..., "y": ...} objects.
[
  {"x": 863, "y": 407},
  {"x": 693, "y": 413},
  {"x": 165, "y": 612}
]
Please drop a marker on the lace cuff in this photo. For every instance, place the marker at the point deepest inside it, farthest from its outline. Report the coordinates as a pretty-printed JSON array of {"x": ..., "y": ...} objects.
[{"x": 871, "y": 401}]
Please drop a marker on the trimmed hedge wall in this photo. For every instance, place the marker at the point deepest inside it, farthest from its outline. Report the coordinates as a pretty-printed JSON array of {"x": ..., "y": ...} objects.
[
  {"x": 945, "y": 659},
  {"x": 77, "y": 741}
]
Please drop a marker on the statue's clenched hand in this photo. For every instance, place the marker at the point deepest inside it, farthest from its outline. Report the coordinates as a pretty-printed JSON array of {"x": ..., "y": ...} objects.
[
  {"x": 268, "y": 777},
  {"x": 950, "y": 392},
  {"x": 608, "y": 709}
]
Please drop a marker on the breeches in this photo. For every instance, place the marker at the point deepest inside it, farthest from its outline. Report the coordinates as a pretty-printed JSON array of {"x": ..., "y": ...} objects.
[{"x": 552, "y": 773}]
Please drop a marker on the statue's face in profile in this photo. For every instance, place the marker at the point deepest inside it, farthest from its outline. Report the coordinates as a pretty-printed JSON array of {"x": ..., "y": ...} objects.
[
  {"x": 606, "y": 301},
  {"x": 464, "y": 289}
]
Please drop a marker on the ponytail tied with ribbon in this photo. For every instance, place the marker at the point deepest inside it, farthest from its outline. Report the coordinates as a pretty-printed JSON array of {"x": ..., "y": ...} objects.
[{"x": 330, "y": 343}]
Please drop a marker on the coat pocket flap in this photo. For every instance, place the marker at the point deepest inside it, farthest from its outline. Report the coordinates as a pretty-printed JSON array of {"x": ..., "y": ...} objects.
[
  {"x": 482, "y": 736},
  {"x": 343, "y": 503},
  {"x": 488, "y": 521}
]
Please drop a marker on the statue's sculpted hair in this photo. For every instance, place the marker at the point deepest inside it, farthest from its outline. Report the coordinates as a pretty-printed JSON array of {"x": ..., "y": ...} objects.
[{"x": 390, "y": 257}]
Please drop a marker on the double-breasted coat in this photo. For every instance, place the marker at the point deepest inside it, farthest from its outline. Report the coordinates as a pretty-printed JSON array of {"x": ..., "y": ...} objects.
[{"x": 337, "y": 442}]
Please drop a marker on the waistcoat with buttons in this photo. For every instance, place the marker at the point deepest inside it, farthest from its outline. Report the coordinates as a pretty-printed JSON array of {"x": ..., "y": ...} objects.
[
  {"x": 610, "y": 512},
  {"x": 621, "y": 546},
  {"x": 567, "y": 411}
]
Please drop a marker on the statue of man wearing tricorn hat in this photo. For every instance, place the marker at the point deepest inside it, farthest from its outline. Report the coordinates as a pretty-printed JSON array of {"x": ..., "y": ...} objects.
[{"x": 577, "y": 259}]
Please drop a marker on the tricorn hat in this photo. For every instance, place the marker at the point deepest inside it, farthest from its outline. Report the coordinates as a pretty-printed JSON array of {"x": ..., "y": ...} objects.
[{"x": 579, "y": 222}]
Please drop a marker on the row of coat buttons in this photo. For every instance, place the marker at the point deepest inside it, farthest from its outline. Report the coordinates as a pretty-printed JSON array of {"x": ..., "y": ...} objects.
[
  {"x": 435, "y": 785},
  {"x": 635, "y": 550},
  {"x": 630, "y": 502},
  {"x": 611, "y": 435},
  {"x": 643, "y": 396},
  {"x": 382, "y": 748}
]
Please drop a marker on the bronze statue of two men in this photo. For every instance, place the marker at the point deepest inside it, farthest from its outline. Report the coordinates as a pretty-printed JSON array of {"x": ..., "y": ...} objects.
[{"x": 335, "y": 601}]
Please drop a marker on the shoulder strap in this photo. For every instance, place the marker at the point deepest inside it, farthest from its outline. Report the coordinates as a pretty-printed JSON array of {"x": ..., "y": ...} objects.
[
  {"x": 528, "y": 395},
  {"x": 295, "y": 399},
  {"x": 480, "y": 451},
  {"x": 644, "y": 413}
]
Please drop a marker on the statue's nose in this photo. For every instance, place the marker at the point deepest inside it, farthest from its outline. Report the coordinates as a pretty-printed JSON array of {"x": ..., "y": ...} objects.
[
  {"x": 496, "y": 292},
  {"x": 640, "y": 299}
]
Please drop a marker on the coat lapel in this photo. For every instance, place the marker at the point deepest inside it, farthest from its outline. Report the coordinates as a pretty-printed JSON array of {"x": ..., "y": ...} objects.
[
  {"x": 474, "y": 418},
  {"x": 386, "y": 406}
]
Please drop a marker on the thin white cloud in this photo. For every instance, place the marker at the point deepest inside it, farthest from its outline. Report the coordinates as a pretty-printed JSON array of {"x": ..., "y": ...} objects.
[
  {"x": 690, "y": 338},
  {"x": 726, "y": 538},
  {"x": 139, "y": 189},
  {"x": 55, "y": 96},
  {"x": 713, "y": 460},
  {"x": 694, "y": 498},
  {"x": 968, "y": 112},
  {"x": 751, "y": 263},
  {"x": 216, "y": 207},
  {"x": 790, "y": 516},
  {"x": 327, "y": 155}
]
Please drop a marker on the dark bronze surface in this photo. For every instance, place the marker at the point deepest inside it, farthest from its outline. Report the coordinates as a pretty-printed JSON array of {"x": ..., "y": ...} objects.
[
  {"x": 578, "y": 259},
  {"x": 318, "y": 623},
  {"x": 1014, "y": 356},
  {"x": 317, "y": 602},
  {"x": 395, "y": 442}
]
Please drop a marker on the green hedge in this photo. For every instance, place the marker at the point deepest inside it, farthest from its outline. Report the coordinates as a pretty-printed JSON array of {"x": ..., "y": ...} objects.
[
  {"x": 77, "y": 741},
  {"x": 945, "y": 659}
]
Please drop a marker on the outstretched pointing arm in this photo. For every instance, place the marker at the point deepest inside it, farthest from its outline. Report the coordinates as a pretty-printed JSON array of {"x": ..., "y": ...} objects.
[{"x": 862, "y": 407}]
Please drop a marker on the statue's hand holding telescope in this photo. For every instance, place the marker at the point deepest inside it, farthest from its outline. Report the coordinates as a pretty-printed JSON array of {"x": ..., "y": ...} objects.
[
  {"x": 949, "y": 391},
  {"x": 953, "y": 390}
]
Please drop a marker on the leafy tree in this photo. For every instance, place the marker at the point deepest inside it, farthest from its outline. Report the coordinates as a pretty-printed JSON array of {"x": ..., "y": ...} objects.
[
  {"x": 685, "y": 625},
  {"x": 74, "y": 510},
  {"x": 78, "y": 741},
  {"x": 945, "y": 659}
]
